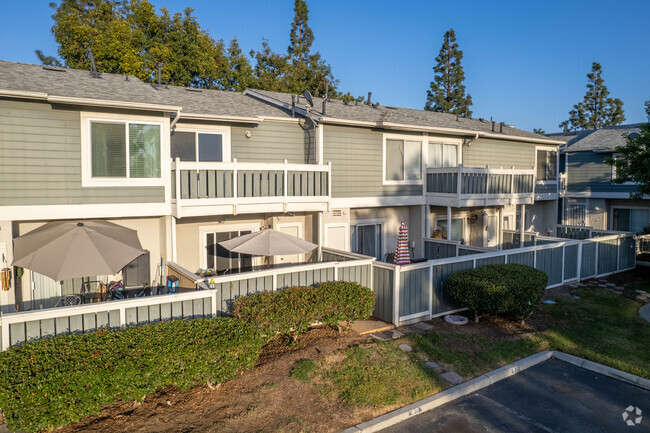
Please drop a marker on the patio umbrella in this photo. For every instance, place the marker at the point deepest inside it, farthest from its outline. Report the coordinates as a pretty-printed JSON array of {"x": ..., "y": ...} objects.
[
  {"x": 402, "y": 250},
  {"x": 268, "y": 243},
  {"x": 69, "y": 249}
]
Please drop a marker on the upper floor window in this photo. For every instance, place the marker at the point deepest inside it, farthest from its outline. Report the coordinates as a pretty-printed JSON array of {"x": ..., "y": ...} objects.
[
  {"x": 199, "y": 146},
  {"x": 402, "y": 161},
  {"x": 616, "y": 156},
  {"x": 121, "y": 152},
  {"x": 442, "y": 155},
  {"x": 546, "y": 165}
]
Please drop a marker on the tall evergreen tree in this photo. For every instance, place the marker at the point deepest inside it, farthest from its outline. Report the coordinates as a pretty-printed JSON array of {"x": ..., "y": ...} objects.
[
  {"x": 597, "y": 110},
  {"x": 447, "y": 91}
]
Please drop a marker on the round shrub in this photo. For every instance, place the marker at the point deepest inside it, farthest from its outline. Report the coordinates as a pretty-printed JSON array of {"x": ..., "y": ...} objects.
[
  {"x": 293, "y": 310},
  {"x": 511, "y": 290}
]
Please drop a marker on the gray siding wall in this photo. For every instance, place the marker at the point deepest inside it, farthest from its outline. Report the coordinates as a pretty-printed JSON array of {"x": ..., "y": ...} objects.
[
  {"x": 273, "y": 142},
  {"x": 40, "y": 160},
  {"x": 498, "y": 153},
  {"x": 356, "y": 156},
  {"x": 587, "y": 171}
]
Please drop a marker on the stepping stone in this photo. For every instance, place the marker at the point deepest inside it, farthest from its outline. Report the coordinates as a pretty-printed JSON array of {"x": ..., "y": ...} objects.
[
  {"x": 611, "y": 285},
  {"x": 396, "y": 334},
  {"x": 453, "y": 377},
  {"x": 603, "y": 285},
  {"x": 576, "y": 297},
  {"x": 548, "y": 301},
  {"x": 433, "y": 366},
  {"x": 574, "y": 285},
  {"x": 383, "y": 336},
  {"x": 406, "y": 329},
  {"x": 422, "y": 326},
  {"x": 405, "y": 347}
]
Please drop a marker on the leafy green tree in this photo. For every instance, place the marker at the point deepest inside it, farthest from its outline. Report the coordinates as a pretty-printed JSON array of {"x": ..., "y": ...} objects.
[
  {"x": 270, "y": 69},
  {"x": 597, "y": 110},
  {"x": 447, "y": 91},
  {"x": 47, "y": 60},
  {"x": 634, "y": 161},
  {"x": 238, "y": 76},
  {"x": 129, "y": 37}
]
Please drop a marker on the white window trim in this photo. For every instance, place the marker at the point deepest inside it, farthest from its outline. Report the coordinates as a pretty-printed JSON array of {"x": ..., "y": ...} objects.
[
  {"x": 87, "y": 180},
  {"x": 439, "y": 140},
  {"x": 207, "y": 129},
  {"x": 417, "y": 138},
  {"x": 557, "y": 165},
  {"x": 614, "y": 156},
  {"x": 382, "y": 232},
  {"x": 611, "y": 213},
  {"x": 221, "y": 228}
]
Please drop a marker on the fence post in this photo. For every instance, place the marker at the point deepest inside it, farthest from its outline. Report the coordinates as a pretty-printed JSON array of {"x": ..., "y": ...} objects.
[
  {"x": 122, "y": 316},
  {"x": 431, "y": 288},
  {"x": 579, "y": 266},
  {"x": 618, "y": 254},
  {"x": 396, "y": 278},
  {"x": 235, "y": 187},
  {"x": 563, "y": 264},
  {"x": 274, "y": 282},
  {"x": 5, "y": 335},
  {"x": 597, "y": 254},
  {"x": 336, "y": 271},
  {"x": 213, "y": 300}
]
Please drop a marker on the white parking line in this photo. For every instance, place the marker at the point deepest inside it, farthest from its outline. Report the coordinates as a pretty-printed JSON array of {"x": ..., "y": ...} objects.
[{"x": 517, "y": 414}]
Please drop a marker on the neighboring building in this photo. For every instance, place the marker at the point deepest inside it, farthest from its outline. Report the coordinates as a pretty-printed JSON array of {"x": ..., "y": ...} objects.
[
  {"x": 189, "y": 168},
  {"x": 592, "y": 198}
]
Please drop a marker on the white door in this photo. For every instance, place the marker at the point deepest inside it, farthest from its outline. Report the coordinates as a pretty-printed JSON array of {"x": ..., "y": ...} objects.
[
  {"x": 336, "y": 237},
  {"x": 293, "y": 230},
  {"x": 492, "y": 233}
]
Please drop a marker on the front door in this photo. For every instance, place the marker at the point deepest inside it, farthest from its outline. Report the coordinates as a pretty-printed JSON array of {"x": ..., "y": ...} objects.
[
  {"x": 295, "y": 231},
  {"x": 492, "y": 232}
]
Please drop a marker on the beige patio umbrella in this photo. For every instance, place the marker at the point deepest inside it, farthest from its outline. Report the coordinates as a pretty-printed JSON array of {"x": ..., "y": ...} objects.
[
  {"x": 71, "y": 249},
  {"x": 268, "y": 243}
]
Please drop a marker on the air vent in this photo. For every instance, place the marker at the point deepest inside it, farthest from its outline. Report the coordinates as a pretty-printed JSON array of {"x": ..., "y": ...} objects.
[
  {"x": 53, "y": 68},
  {"x": 337, "y": 212},
  {"x": 193, "y": 89},
  {"x": 390, "y": 108}
]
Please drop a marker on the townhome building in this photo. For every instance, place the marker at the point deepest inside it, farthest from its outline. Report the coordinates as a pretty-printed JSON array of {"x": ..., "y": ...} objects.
[
  {"x": 189, "y": 168},
  {"x": 592, "y": 197}
]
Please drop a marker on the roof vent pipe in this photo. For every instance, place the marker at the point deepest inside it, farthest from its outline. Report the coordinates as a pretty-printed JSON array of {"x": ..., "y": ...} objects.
[
  {"x": 501, "y": 127},
  {"x": 369, "y": 96},
  {"x": 93, "y": 67},
  {"x": 293, "y": 105},
  {"x": 492, "y": 124}
]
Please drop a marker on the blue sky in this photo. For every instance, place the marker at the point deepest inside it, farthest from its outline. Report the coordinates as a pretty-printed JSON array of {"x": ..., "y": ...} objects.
[{"x": 525, "y": 62}]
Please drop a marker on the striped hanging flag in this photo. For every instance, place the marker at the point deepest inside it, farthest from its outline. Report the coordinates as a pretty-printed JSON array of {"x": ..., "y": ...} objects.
[{"x": 402, "y": 256}]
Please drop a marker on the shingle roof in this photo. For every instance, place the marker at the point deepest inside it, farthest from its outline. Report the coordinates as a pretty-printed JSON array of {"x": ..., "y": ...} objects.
[
  {"x": 599, "y": 140},
  {"x": 75, "y": 84},
  {"x": 72, "y": 83},
  {"x": 404, "y": 116}
]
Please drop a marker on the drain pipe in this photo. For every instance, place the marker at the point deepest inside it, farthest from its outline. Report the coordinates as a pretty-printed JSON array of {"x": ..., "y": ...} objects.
[{"x": 175, "y": 120}]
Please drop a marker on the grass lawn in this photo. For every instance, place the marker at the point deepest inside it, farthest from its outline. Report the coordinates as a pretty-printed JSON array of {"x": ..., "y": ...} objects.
[{"x": 599, "y": 326}]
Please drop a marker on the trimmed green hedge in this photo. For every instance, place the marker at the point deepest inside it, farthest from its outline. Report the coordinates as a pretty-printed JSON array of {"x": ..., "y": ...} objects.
[
  {"x": 511, "y": 290},
  {"x": 55, "y": 381},
  {"x": 293, "y": 310}
]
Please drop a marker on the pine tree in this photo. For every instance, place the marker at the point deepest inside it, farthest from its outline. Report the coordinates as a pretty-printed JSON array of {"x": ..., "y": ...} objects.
[
  {"x": 597, "y": 110},
  {"x": 539, "y": 131},
  {"x": 47, "y": 60},
  {"x": 447, "y": 92},
  {"x": 301, "y": 35}
]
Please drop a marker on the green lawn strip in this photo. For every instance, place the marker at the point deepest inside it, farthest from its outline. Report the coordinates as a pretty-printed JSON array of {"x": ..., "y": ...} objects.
[
  {"x": 379, "y": 375},
  {"x": 601, "y": 327}
]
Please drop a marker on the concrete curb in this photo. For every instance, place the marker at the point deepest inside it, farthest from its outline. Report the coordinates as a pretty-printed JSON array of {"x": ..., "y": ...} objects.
[{"x": 436, "y": 400}]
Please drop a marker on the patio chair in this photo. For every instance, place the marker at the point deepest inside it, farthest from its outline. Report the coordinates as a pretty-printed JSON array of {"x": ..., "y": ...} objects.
[{"x": 68, "y": 300}]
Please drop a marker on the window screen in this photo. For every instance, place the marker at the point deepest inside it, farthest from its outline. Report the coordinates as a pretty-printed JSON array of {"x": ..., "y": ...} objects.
[
  {"x": 144, "y": 151},
  {"x": 394, "y": 160},
  {"x": 183, "y": 146},
  {"x": 108, "y": 149},
  {"x": 546, "y": 165},
  {"x": 412, "y": 160},
  {"x": 210, "y": 147}
]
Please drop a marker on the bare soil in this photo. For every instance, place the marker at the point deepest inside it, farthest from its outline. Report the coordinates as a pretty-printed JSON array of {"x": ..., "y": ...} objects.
[{"x": 263, "y": 399}]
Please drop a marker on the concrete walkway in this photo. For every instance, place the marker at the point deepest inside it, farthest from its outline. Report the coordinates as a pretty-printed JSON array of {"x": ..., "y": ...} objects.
[{"x": 645, "y": 312}]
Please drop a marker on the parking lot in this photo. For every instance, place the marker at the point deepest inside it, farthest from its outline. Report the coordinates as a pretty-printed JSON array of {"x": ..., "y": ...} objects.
[{"x": 551, "y": 397}]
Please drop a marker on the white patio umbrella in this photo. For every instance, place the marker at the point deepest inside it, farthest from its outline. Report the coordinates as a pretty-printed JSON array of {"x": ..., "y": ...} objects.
[
  {"x": 402, "y": 256},
  {"x": 71, "y": 249},
  {"x": 268, "y": 243}
]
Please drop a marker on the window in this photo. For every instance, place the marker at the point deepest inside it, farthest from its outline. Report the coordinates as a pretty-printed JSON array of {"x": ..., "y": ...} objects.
[
  {"x": 125, "y": 150},
  {"x": 616, "y": 156},
  {"x": 119, "y": 152},
  {"x": 366, "y": 239},
  {"x": 402, "y": 161},
  {"x": 630, "y": 220},
  {"x": 456, "y": 228},
  {"x": 546, "y": 165},
  {"x": 222, "y": 260},
  {"x": 442, "y": 155},
  {"x": 198, "y": 146}
]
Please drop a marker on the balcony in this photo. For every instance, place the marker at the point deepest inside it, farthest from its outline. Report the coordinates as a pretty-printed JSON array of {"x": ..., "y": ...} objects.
[
  {"x": 463, "y": 186},
  {"x": 231, "y": 188}
]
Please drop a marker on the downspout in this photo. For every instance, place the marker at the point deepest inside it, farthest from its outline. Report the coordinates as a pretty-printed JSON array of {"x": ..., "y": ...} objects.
[{"x": 175, "y": 120}]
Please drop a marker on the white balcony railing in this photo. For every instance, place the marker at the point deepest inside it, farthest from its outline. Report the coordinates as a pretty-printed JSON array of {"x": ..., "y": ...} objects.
[
  {"x": 465, "y": 183},
  {"x": 201, "y": 188}
]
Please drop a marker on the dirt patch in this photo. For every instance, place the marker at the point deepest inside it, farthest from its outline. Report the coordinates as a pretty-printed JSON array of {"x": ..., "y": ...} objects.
[{"x": 264, "y": 399}]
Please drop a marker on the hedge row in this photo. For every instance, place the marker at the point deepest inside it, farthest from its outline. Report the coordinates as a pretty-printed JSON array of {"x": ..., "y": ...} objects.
[
  {"x": 293, "y": 310},
  {"x": 55, "y": 381},
  {"x": 511, "y": 290}
]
